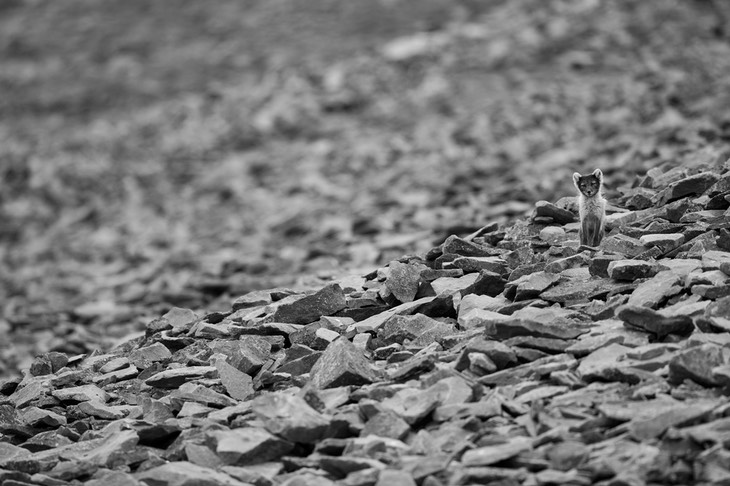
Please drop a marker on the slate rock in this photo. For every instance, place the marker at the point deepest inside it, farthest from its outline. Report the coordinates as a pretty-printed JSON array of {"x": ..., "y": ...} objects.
[
  {"x": 373, "y": 323},
  {"x": 290, "y": 417},
  {"x": 622, "y": 244},
  {"x": 184, "y": 473},
  {"x": 656, "y": 290},
  {"x": 598, "y": 266},
  {"x": 632, "y": 269},
  {"x": 500, "y": 354},
  {"x": 386, "y": 424},
  {"x": 649, "y": 320},
  {"x": 309, "y": 308},
  {"x": 175, "y": 377},
  {"x": 697, "y": 363},
  {"x": 553, "y": 235},
  {"x": 81, "y": 393},
  {"x": 143, "y": 357},
  {"x": 666, "y": 242},
  {"x": 248, "y": 445},
  {"x": 398, "y": 329},
  {"x": 550, "y": 210},
  {"x": 493, "y": 264},
  {"x": 531, "y": 286},
  {"x": 492, "y": 454},
  {"x": 573, "y": 290},
  {"x": 341, "y": 364},
  {"x": 693, "y": 185},
  {"x": 403, "y": 279},
  {"x": 462, "y": 247}
]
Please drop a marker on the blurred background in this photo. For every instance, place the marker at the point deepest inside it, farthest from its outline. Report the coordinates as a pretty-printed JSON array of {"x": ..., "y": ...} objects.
[{"x": 181, "y": 153}]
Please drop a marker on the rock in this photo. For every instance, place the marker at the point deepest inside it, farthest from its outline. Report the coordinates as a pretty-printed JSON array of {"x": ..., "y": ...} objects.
[
  {"x": 697, "y": 363},
  {"x": 145, "y": 356},
  {"x": 500, "y": 354},
  {"x": 632, "y": 269},
  {"x": 290, "y": 417},
  {"x": 402, "y": 280},
  {"x": 552, "y": 234},
  {"x": 81, "y": 394},
  {"x": 665, "y": 242},
  {"x": 247, "y": 445},
  {"x": 693, "y": 185},
  {"x": 488, "y": 455},
  {"x": 461, "y": 247},
  {"x": 401, "y": 328},
  {"x": 309, "y": 308},
  {"x": 531, "y": 286},
  {"x": 386, "y": 424},
  {"x": 622, "y": 244},
  {"x": 183, "y": 473},
  {"x": 341, "y": 364},
  {"x": 550, "y": 210},
  {"x": 373, "y": 323},
  {"x": 652, "y": 321},
  {"x": 657, "y": 289},
  {"x": 175, "y": 377}
]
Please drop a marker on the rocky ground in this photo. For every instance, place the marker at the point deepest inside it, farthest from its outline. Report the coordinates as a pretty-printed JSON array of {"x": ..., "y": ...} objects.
[
  {"x": 186, "y": 207},
  {"x": 513, "y": 356}
]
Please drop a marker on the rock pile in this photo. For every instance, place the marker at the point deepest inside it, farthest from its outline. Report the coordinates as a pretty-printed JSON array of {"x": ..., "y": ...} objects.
[{"x": 510, "y": 357}]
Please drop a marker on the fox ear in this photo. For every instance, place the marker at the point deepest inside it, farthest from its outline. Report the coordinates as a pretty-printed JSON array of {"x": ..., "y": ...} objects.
[
  {"x": 576, "y": 178},
  {"x": 598, "y": 174}
]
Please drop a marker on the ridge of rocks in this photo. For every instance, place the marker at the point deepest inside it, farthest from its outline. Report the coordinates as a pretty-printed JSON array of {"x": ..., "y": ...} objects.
[{"x": 513, "y": 356}]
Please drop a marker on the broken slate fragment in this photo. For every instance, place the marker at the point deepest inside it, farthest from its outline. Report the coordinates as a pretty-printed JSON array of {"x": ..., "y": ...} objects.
[
  {"x": 492, "y": 454},
  {"x": 290, "y": 417},
  {"x": 550, "y": 210},
  {"x": 692, "y": 185},
  {"x": 657, "y": 289},
  {"x": 248, "y": 445},
  {"x": 632, "y": 269},
  {"x": 341, "y": 364},
  {"x": 81, "y": 393},
  {"x": 644, "y": 318},
  {"x": 175, "y": 377},
  {"x": 310, "y": 308},
  {"x": 402, "y": 280},
  {"x": 184, "y": 473},
  {"x": 697, "y": 363},
  {"x": 238, "y": 384}
]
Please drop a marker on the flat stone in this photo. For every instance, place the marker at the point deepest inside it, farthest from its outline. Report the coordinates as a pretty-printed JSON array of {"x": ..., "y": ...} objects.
[
  {"x": 184, "y": 473},
  {"x": 656, "y": 290},
  {"x": 248, "y": 445},
  {"x": 401, "y": 328},
  {"x": 601, "y": 363},
  {"x": 693, "y": 185},
  {"x": 553, "y": 235},
  {"x": 290, "y": 417},
  {"x": 480, "y": 318},
  {"x": 666, "y": 242},
  {"x": 632, "y": 269},
  {"x": 386, "y": 424},
  {"x": 577, "y": 290},
  {"x": 493, "y": 264},
  {"x": 488, "y": 455},
  {"x": 81, "y": 393},
  {"x": 648, "y": 428},
  {"x": 195, "y": 392},
  {"x": 550, "y": 210},
  {"x": 531, "y": 286},
  {"x": 500, "y": 354},
  {"x": 94, "y": 408},
  {"x": 309, "y": 308},
  {"x": 175, "y": 377},
  {"x": 562, "y": 264},
  {"x": 517, "y": 327},
  {"x": 697, "y": 363},
  {"x": 598, "y": 266},
  {"x": 341, "y": 364},
  {"x": 654, "y": 322},
  {"x": 373, "y": 323},
  {"x": 717, "y": 314},
  {"x": 462, "y": 247},
  {"x": 622, "y": 244},
  {"x": 713, "y": 260},
  {"x": 238, "y": 384},
  {"x": 38, "y": 417}
]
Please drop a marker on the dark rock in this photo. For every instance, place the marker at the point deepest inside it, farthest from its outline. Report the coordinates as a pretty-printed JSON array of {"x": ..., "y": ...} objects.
[
  {"x": 303, "y": 310},
  {"x": 697, "y": 363},
  {"x": 460, "y": 246},
  {"x": 290, "y": 417},
  {"x": 693, "y": 185},
  {"x": 184, "y": 473},
  {"x": 632, "y": 269},
  {"x": 550, "y": 210}
]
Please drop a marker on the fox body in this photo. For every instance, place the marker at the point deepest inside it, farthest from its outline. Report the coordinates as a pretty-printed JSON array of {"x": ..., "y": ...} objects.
[{"x": 591, "y": 207}]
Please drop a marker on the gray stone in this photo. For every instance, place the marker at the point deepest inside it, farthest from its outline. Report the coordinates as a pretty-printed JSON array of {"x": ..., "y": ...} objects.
[
  {"x": 666, "y": 242},
  {"x": 248, "y": 445},
  {"x": 693, "y": 185},
  {"x": 184, "y": 473},
  {"x": 531, "y": 286},
  {"x": 625, "y": 245},
  {"x": 462, "y": 247},
  {"x": 341, "y": 364},
  {"x": 81, "y": 393},
  {"x": 492, "y": 454},
  {"x": 632, "y": 269},
  {"x": 656, "y": 290},
  {"x": 175, "y": 377},
  {"x": 238, "y": 384},
  {"x": 493, "y": 264},
  {"x": 402, "y": 280},
  {"x": 697, "y": 363},
  {"x": 290, "y": 417},
  {"x": 654, "y": 322},
  {"x": 309, "y": 308},
  {"x": 550, "y": 210}
]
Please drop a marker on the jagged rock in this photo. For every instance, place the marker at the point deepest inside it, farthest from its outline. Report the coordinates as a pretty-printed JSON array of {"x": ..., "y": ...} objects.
[
  {"x": 145, "y": 356},
  {"x": 402, "y": 280},
  {"x": 290, "y": 417},
  {"x": 309, "y": 308},
  {"x": 580, "y": 289},
  {"x": 622, "y": 244},
  {"x": 531, "y": 286},
  {"x": 666, "y": 241},
  {"x": 632, "y": 269},
  {"x": 341, "y": 364},
  {"x": 488, "y": 455},
  {"x": 550, "y": 210},
  {"x": 692, "y": 185},
  {"x": 247, "y": 445},
  {"x": 654, "y": 322},
  {"x": 500, "y": 354},
  {"x": 697, "y": 363},
  {"x": 492, "y": 264},
  {"x": 657, "y": 289},
  {"x": 184, "y": 473},
  {"x": 461, "y": 247},
  {"x": 175, "y": 377},
  {"x": 397, "y": 329}
]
